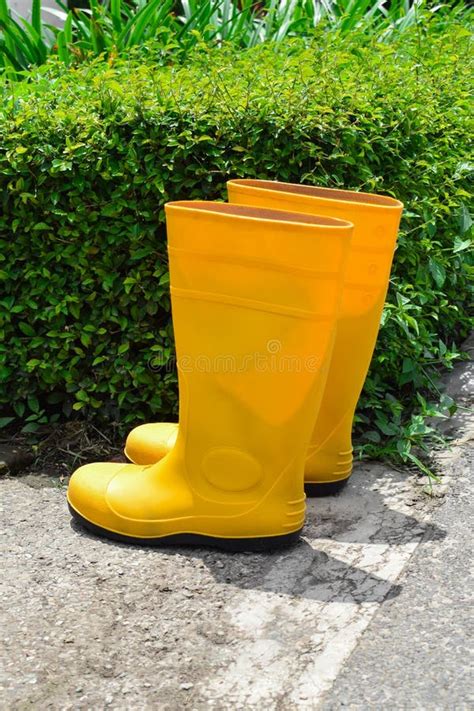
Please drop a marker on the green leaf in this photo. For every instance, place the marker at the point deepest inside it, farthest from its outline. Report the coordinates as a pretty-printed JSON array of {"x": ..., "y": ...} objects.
[
  {"x": 465, "y": 219},
  {"x": 26, "y": 329},
  {"x": 33, "y": 362},
  {"x": 372, "y": 436},
  {"x": 461, "y": 245},
  {"x": 19, "y": 408},
  {"x": 438, "y": 272},
  {"x": 33, "y": 404},
  {"x": 63, "y": 49},
  {"x": 30, "y": 427},
  {"x": 36, "y": 16}
]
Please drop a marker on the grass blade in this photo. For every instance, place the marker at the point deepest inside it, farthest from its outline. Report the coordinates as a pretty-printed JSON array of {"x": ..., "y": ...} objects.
[{"x": 36, "y": 16}]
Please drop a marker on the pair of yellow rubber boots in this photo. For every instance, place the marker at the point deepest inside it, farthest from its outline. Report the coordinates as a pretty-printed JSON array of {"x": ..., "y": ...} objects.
[{"x": 276, "y": 302}]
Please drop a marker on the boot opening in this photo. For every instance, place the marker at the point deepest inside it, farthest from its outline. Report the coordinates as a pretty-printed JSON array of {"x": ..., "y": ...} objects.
[
  {"x": 260, "y": 213},
  {"x": 327, "y": 193}
]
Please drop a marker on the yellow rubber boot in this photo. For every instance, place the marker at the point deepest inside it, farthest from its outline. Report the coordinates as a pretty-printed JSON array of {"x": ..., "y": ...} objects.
[
  {"x": 376, "y": 219},
  {"x": 255, "y": 296}
]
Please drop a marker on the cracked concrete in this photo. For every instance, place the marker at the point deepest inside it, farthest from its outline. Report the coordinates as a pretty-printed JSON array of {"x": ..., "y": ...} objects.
[{"x": 92, "y": 624}]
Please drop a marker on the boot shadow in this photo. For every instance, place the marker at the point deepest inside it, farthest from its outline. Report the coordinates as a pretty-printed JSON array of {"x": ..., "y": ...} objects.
[
  {"x": 300, "y": 572},
  {"x": 356, "y": 519},
  {"x": 371, "y": 509}
]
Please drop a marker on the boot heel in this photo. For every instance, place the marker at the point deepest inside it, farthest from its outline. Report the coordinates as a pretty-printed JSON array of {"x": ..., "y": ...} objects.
[{"x": 328, "y": 488}]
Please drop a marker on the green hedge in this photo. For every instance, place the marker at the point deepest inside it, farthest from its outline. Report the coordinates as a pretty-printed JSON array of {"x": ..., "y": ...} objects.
[{"x": 89, "y": 156}]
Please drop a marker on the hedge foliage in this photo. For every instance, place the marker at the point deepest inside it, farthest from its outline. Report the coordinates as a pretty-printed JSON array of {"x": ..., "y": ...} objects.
[{"x": 90, "y": 155}]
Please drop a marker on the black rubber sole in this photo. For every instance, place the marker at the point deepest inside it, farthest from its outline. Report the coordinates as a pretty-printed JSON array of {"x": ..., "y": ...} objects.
[
  {"x": 325, "y": 489},
  {"x": 234, "y": 545}
]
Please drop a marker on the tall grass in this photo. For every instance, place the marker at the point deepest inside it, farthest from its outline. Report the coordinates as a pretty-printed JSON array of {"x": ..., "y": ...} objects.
[{"x": 115, "y": 26}]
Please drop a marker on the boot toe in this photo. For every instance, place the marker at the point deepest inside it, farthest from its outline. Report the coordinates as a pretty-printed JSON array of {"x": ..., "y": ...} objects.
[
  {"x": 147, "y": 444},
  {"x": 128, "y": 501},
  {"x": 87, "y": 492}
]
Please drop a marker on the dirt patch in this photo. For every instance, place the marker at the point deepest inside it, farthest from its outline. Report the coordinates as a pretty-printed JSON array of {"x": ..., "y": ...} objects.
[{"x": 49, "y": 458}]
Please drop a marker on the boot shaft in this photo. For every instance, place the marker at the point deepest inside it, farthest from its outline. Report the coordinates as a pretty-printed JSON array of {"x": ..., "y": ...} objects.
[
  {"x": 375, "y": 218},
  {"x": 255, "y": 300}
]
